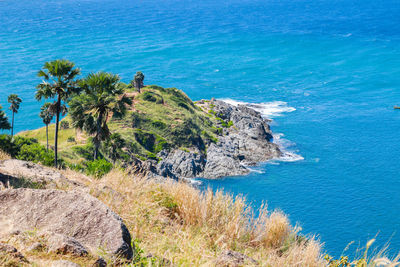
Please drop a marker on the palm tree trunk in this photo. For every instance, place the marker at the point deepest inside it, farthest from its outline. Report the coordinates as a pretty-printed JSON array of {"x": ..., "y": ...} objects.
[
  {"x": 12, "y": 125},
  {"x": 97, "y": 137},
  {"x": 47, "y": 137},
  {"x": 56, "y": 135}
]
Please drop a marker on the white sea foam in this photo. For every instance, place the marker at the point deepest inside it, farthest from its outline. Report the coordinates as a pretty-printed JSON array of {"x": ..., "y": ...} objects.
[
  {"x": 272, "y": 110},
  {"x": 269, "y": 109}
]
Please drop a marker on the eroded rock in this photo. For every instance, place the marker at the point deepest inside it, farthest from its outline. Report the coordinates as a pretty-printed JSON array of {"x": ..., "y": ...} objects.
[
  {"x": 20, "y": 173},
  {"x": 74, "y": 215}
]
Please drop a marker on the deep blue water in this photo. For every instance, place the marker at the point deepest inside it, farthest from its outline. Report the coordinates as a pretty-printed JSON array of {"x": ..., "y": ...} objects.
[{"x": 337, "y": 62}]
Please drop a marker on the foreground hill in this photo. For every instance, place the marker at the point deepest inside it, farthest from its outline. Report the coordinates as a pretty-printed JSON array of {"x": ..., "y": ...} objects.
[
  {"x": 49, "y": 215},
  {"x": 166, "y": 134}
]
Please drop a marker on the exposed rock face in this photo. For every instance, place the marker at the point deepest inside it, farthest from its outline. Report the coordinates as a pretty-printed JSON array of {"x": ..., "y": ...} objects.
[
  {"x": 17, "y": 172},
  {"x": 180, "y": 164},
  {"x": 246, "y": 143},
  {"x": 81, "y": 220}
]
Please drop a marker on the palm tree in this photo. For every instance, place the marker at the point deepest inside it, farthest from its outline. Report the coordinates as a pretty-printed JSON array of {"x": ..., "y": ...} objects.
[
  {"x": 15, "y": 101},
  {"x": 101, "y": 98},
  {"x": 59, "y": 82},
  {"x": 138, "y": 80},
  {"x": 4, "y": 124},
  {"x": 113, "y": 146},
  {"x": 47, "y": 115}
]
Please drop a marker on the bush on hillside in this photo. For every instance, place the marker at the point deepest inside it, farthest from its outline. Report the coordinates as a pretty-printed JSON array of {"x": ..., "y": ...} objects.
[
  {"x": 64, "y": 125},
  {"x": 98, "y": 168},
  {"x": 13, "y": 145},
  {"x": 36, "y": 153}
]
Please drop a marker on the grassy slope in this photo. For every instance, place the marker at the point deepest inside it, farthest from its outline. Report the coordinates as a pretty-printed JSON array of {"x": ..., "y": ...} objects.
[
  {"x": 159, "y": 118},
  {"x": 177, "y": 223}
]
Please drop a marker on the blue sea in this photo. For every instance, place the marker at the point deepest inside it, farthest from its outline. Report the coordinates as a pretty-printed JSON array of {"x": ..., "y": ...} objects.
[{"x": 326, "y": 71}]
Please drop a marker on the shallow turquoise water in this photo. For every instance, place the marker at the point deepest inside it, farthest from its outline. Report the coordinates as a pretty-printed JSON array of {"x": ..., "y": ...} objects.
[{"x": 336, "y": 62}]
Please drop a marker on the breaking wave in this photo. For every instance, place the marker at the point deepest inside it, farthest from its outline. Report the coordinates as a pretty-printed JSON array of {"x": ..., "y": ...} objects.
[{"x": 272, "y": 110}]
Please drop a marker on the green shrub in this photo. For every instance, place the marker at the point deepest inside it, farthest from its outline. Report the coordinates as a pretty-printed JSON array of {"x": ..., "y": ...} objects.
[
  {"x": 156, "y": 87},
  {"x": 71, "y": 139},
  {"x": 147, "y": 140},
  {"x": 76, "y": 167},
  {"x": 98, "y": 168},
  {"x": 36, "y": 153},
  {"x": 7, "y": 145},
  {"x": 152, "y": 97},
  {"x": 86, "y": 151},
  {"x": 151, "y": 155},
  {"x": 159, "y": 125},
  {"x": 64, "y": 125}
]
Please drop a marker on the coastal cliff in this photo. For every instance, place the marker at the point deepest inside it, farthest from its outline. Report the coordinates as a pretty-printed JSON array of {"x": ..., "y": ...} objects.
[{"x": 247, "y": 142}]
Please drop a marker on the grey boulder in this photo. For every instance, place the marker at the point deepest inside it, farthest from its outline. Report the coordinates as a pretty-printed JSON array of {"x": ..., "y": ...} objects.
[{"x": 80, "y": 219}]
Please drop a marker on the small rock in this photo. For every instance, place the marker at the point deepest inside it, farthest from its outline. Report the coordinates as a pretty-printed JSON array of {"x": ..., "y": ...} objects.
[
  {"x": 230, "y": 258},
  {"x": 61, "y": 244},
  {"x": 100, "y": 262},
  {"x": 64, "y": 263}
]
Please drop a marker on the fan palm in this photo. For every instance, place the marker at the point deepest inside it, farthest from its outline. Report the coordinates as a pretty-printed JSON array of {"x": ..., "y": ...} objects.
[
  {"x": 138, "y": 80},
  {"x": 113, "y": 146},
  {"x": 4, "y": 124},
  {"x": 15, "y": 101},
  {"x": 101, "y": 98},
  {"x": 47, "y": 114},
  {"x": 58, "y": 82}
]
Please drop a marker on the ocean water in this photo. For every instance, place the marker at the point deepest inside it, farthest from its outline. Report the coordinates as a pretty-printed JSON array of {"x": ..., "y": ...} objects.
[{"x": 327, "y": 71}]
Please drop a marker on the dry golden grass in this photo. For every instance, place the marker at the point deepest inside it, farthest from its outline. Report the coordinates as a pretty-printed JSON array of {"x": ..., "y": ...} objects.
[
  {"x": 177, "y": 222},
  {"x": 4, "y": 155}
]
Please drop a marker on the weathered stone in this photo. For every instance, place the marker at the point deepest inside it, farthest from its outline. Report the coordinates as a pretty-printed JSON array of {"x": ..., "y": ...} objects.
[
  {"x": 20, "y": 173},
  {"x": 61, "y": 244},
  {"x": 73, "y": 214},
  {"x": 64, "y": 263},
  {"x": 180, "y": 164},
  {"x": 229, "y": 258},
  {"x": 100, "y": 262}
]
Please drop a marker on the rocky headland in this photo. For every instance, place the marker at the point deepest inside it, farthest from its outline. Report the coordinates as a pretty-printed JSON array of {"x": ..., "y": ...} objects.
[
  {"x": 246, "y": 143},
  {"x": 166, "y": 134}
]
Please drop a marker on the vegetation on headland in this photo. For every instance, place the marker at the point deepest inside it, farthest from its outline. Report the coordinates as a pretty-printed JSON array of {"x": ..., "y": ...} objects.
[{"x": 146, "y": 119}]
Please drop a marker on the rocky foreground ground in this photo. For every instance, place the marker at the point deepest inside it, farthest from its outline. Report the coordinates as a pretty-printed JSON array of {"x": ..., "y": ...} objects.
[{"x": 48, "y": 214}]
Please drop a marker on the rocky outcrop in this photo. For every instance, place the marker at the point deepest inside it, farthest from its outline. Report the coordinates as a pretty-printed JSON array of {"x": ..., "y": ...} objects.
[
  {"x": 246, "y": 142},
  {"x": 75, "y": 221},
  {"x": 20, "y": 173}
]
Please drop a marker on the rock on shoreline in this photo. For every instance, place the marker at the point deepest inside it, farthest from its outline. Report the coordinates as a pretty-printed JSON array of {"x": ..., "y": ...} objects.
[{"x": 247, "y": 142}]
